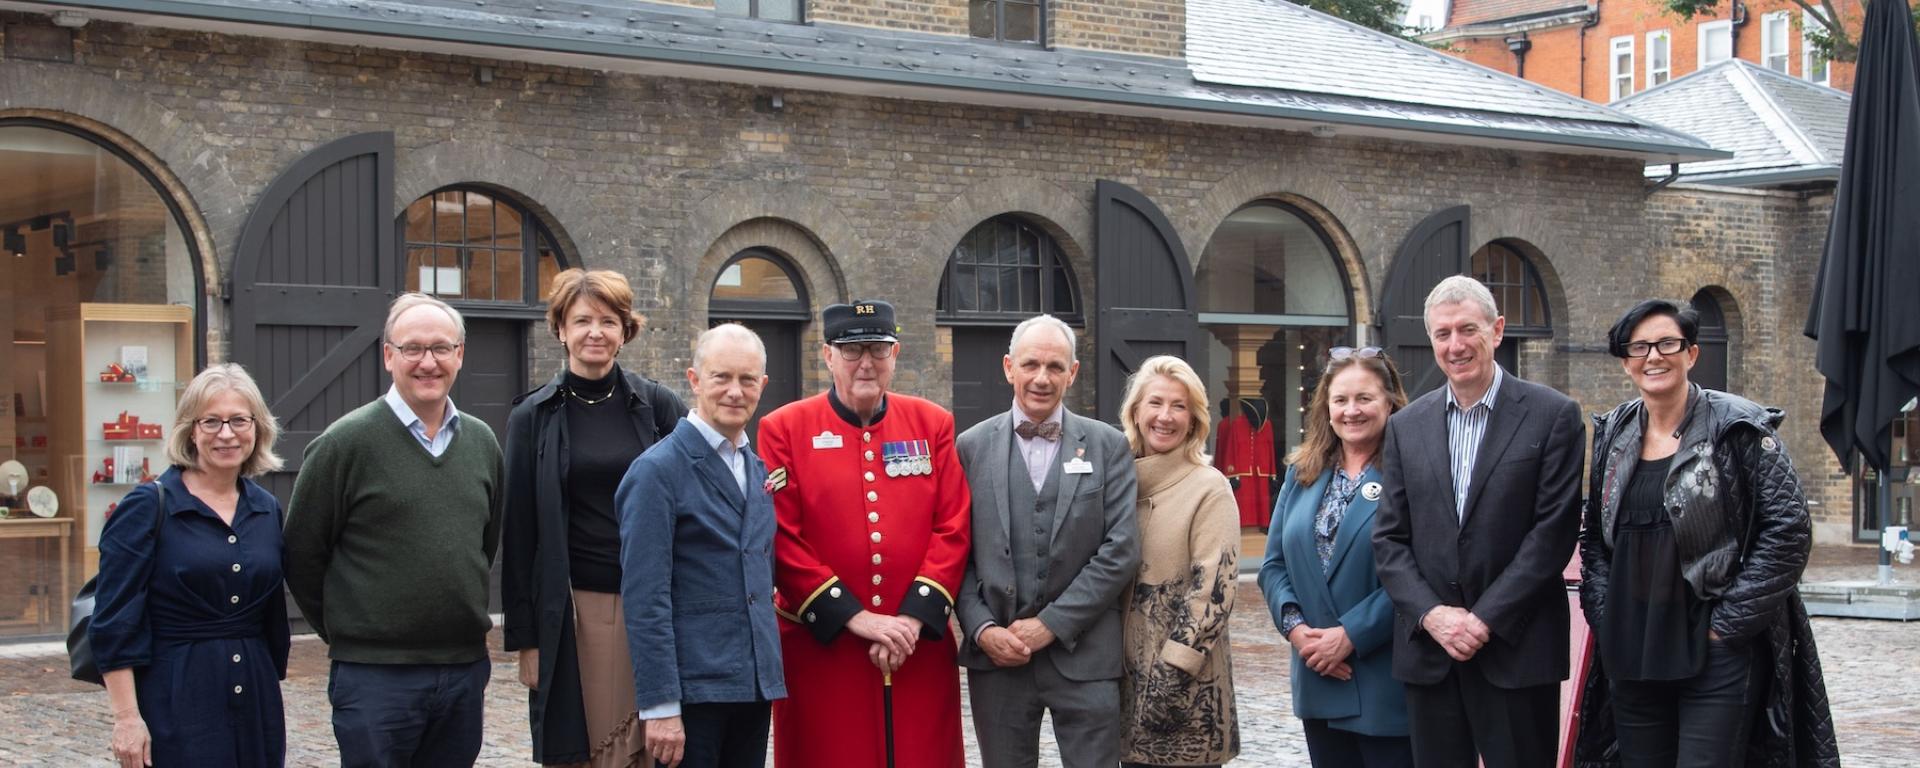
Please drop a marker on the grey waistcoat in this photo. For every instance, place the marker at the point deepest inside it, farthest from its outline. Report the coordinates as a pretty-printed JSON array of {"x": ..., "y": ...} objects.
[{"x": 1029, "y": 529}]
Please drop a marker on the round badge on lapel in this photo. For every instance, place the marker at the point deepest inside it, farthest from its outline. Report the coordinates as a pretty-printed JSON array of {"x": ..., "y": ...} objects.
[
  {"x": 1768, "y": 443},
  {"x": 1371, "y": 491}
]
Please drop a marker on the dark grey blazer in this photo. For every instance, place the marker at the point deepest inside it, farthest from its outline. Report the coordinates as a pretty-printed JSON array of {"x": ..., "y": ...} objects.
[
  {"x": 1096, "y": 552},
  {"x": 1504, "y": 560}
]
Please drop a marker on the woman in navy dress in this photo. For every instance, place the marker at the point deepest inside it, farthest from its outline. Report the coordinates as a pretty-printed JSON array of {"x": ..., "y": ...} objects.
[{"x": 190, "y": 629}]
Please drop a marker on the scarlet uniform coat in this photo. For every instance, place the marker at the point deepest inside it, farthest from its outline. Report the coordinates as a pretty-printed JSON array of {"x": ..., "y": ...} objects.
[
  {"x": 1245, "y": 454},
  {"x": 851, "y": 537}
]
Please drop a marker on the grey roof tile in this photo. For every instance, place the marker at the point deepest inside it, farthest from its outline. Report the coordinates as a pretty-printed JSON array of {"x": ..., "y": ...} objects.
[{"x": 1778, "y": 127}]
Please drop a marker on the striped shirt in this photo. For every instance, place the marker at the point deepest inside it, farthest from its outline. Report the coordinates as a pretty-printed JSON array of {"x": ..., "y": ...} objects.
[{"x": 1466, "y": 427}]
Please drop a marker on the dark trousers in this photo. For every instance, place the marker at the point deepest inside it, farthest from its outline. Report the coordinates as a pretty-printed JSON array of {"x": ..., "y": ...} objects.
[
  {"x": 1330, "y": 747},
  {"x": 1464, "y": 718},
  {"x": 1698, "y": 722},
  {"x": 413, "y": 715},
  {"x": 731, "y": 735}
]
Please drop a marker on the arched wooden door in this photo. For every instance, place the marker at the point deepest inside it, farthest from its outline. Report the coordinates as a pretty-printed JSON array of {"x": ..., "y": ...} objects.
[
  {"x": 312, "y": 278},
  {"x": 1144, "y": 286},
  {"x": 1433, "y": 251}
]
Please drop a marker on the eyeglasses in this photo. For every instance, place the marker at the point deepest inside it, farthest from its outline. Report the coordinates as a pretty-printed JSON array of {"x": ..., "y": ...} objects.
[
  {"x": 210, "y": 425},
  {"x": 412, "y": 353},
  {"x": 1667, "y": 346},
  {"x": 878, "y": 350}
]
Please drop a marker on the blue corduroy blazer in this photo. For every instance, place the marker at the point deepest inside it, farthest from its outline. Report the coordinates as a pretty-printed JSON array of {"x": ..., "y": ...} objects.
[{"x": 1347, "y": 594}]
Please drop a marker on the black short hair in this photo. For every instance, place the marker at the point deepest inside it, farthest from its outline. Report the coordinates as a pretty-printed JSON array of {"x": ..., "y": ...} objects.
[{"x": 1683, "y": 315}]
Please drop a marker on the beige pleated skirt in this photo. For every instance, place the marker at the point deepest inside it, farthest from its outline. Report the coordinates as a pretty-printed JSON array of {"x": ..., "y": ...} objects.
[{"x": 606, "y": 681}]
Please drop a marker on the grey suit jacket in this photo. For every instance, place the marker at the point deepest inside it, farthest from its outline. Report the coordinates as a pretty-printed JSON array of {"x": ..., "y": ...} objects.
[
  {"x": 1504, "y": 561},
  {"x": 1095, "y": 551}
]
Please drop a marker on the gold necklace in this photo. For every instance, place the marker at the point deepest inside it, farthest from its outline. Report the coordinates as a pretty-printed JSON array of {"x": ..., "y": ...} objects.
[{"x": 603, "y": 398}]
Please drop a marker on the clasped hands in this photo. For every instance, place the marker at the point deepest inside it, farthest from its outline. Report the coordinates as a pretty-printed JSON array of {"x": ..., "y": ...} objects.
[
  {"x": 1016, "y": 643},
  {"x": 1460, "y": 633},
  {"x": 1325, "y": 651},
  {"x": 894, "y": 638}
]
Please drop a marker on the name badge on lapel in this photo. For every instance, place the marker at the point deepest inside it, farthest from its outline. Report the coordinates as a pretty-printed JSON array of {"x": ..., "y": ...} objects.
[
  {"x": 826, "y": 439},
  {"x": 1078, "y": 465}
]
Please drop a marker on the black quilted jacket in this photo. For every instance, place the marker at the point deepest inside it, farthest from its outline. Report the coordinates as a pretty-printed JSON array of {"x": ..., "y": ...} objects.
[{"x": 1743, "y": 545}]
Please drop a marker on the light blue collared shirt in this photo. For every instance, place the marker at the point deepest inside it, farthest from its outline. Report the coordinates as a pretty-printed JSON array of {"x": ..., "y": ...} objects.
[
  {"x": 1466, "y": 428},
  {"x": 734, "y": 454},
  {"x": 435, "y": 445}
]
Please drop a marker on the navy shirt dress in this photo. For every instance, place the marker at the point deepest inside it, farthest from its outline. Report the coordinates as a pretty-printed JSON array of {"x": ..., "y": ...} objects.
[{"x": 199, "y": 617}]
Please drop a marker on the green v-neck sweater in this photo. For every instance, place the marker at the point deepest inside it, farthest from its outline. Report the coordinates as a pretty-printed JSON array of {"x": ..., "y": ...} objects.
[{"x": 388, "y": 547}]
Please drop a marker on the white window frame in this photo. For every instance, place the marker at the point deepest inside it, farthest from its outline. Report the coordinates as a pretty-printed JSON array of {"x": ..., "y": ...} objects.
[
  {"x": 1767, "y": 54},
  {"x": 1618, "y": 48},
  {"x": 1707, "y": 29},
  {"x": 1659, "y": 76},
  {"x": 1810, "y": 58}
]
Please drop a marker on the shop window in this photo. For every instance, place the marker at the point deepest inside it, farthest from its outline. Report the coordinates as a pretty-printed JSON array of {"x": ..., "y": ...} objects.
[
  {"x": 1012, "y": 21},
  {"x": 102, "y": 324},
  {"x": 770, "y": 10}
]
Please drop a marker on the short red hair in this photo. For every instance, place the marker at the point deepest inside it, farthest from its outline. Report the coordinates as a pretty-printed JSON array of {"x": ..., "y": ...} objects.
[{"x": 603, "y": 286}]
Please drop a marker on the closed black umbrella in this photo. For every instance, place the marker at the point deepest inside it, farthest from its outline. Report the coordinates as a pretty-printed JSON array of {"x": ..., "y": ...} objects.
[{"x": 1866, "y": 309}]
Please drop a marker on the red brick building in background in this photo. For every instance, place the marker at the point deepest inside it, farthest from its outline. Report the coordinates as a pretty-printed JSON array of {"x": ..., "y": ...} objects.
[{"x": 1606, "y": 50}]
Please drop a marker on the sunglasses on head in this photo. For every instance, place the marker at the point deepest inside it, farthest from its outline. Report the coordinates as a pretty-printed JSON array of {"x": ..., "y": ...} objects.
[{"x": 1342, "y": 353}]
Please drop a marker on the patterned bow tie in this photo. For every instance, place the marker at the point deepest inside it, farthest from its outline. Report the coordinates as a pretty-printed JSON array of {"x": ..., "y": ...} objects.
[{"x": 1045, "y": 430}]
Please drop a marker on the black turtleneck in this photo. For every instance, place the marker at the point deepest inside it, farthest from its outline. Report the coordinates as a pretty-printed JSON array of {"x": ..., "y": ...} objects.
[{"x": 600, "y": 444}]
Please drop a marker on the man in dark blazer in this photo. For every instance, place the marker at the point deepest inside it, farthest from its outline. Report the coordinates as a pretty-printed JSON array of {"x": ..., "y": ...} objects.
[
  {"x": 696, "y": 570},
  {"x": 1054, "y": 546},
  {"x": 1477, "y": 522}
]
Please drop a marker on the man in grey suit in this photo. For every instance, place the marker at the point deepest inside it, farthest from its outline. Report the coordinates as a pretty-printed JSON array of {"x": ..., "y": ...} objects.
[
  {"x": 1476, "y": 524},
  {"x": 1053, "y": 549}
]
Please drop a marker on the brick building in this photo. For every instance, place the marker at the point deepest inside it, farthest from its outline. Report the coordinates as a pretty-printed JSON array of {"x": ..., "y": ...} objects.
[
  {"x": 1606, "y": 50},
  {"x": 1245, "y": 182}
]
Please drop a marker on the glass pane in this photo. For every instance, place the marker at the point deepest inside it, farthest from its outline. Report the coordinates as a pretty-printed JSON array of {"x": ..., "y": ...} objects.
[
  {"x": 1266, "y": 259},
  {"x": 508, "y": 279},
  {"x": 780, "y": 10},
  {"x": 1029, "y": 246},
  {"x": 1030, "y": 290},
  {"x": 732, "y": 7},
  {"x": 1010, "y": 289},
  {"x": 506, "y": 226},
  {"x": 966, "y": 289},
  {"x": 758, "y": 279},
  {"x": 417, "y": 258},
  {"x": 445, "y": 278},
  {"x": 1062, "y": 293},
  {"x": 980, "y": 21},
  {"x": 420, "y": 221},
  {"x": 548, "y": 266},
  {"x": 478, "y": 283},
  {"x": 1023, "y": 22},
  {"x": 449, "y": 215},
  {"x": 1006, "y": 246}
]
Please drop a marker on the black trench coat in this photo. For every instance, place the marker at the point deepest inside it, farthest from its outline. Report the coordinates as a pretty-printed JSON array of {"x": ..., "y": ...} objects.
[{"x": 534, "y": 582}]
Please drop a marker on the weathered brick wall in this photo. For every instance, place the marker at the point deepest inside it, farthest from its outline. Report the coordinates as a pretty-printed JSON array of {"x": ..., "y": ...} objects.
[
  {"x": 1763, "y": 250},
  {"x": 1146, "y": 27},
  {"x": 946, "y": 17}
]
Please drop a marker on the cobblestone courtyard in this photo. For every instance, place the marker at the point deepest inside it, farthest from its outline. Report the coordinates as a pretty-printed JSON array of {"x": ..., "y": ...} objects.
[{"x": 1873, "y": 677}]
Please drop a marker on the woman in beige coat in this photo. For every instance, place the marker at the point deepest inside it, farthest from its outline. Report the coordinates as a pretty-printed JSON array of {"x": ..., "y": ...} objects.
[{"x": 1177, "y": 694}]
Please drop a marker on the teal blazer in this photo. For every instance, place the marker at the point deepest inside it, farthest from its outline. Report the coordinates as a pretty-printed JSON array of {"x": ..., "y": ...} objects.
[{"x": 1347, "y": 594}]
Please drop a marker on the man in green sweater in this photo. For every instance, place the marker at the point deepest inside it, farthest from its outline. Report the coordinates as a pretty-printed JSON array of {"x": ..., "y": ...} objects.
[{"x": 390, "y": 534}]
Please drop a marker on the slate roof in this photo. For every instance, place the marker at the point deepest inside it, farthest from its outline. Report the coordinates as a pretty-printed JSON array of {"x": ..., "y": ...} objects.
[
  {"x": 1250, "y": 62},
  {"x": 1780, "y": 129},
  {"x": 1461, "y": 13}
]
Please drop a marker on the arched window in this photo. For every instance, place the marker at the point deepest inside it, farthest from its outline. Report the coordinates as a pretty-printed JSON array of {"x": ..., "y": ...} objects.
[
  {"x": 471, "y": 245},
  {"x": 1005, "y": 271},
  {"x": 1716, "y": 360},
  {"x": 1520, "y": 295},
  {"x": 763, "y": 291}
]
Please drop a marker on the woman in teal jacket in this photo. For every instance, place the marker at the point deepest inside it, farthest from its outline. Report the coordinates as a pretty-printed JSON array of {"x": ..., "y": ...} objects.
[{"x": 1319, "y": 578}]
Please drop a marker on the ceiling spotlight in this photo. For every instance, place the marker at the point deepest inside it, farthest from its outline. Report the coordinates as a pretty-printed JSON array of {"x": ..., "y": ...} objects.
[
  {"x": 103, "y": 258},
  {"x": 70, "y": 19},
  {"x": 14, "y": 242},
  {"x": 1324, "y": 131},
  {"x": 63, "y": 263},
  {"x": 62, "y": 234}
]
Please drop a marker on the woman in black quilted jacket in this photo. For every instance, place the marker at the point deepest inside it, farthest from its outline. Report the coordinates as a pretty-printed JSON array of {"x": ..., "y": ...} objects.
[{"x": 1695, "y": 535}]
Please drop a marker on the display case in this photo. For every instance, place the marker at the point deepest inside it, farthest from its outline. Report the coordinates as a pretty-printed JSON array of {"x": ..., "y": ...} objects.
[{"x": 114, "y": 375}]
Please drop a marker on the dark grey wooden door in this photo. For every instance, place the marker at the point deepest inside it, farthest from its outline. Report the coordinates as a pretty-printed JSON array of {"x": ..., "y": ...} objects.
[
  {"x": 312, "y": 277},
  {"x": 980, "y": 388},
  {"x": 1434, "y": 250},
  {"x": 493, "y": 372},
  {"x": 1145, "y": 292},
  {"x": 782, "y": 338}
]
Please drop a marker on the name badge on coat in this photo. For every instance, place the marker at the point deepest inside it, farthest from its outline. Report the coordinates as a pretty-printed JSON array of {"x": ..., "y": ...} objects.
[
  {"x": 826, "y": 439},
  {"x": 1077, "y": 466}
]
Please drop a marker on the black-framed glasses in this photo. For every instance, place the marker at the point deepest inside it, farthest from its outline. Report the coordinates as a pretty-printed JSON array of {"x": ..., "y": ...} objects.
[
  {"x": 1667, "y": 346},
  {"x": 211, "y": 425},
  {"x": 854, "y": 350},
  {"x": 412, "y": 353}
]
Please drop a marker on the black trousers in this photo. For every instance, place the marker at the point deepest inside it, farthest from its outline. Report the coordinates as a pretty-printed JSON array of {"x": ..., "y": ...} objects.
[
  {"x": 1330, "y": 747},
  {"x": 408, "y": 715},
  {"x": 1464, "y": 719},
  {"x": 730, "y": 735},
  {"x": 1700, "y": 722}
]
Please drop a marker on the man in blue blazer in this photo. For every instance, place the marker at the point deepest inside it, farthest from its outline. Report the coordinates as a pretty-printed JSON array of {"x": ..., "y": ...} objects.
[{"x": 696, "y": 562}]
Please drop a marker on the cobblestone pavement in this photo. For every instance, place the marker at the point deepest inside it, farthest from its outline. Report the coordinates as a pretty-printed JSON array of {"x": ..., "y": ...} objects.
[{"x": 1873, "y": 678}]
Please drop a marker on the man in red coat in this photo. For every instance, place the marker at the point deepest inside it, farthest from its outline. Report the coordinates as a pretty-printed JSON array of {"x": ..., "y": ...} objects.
[{"x": 872, "y": 544}]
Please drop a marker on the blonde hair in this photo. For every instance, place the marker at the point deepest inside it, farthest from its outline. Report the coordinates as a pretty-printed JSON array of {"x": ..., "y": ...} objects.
[
  {"x": 1321, "y": 448},
  {"x": 407, "y": 301},
  {"x": 1176, "y": 369},
  {"x": 216, "y": 379},
  {"x": 604, "y": 287}
]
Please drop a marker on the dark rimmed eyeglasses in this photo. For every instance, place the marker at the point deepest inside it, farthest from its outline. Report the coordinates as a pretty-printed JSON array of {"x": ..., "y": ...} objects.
[
  {"x": 413, "y": 353},
  {"x": 854, "y": 350},
  {"x": 1667, "y": 346},
  {"x": 211, "y": 425}
]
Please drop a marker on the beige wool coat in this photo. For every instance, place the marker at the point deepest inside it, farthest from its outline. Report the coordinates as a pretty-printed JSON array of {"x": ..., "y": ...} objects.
[{"x": 1177, "y": 691}]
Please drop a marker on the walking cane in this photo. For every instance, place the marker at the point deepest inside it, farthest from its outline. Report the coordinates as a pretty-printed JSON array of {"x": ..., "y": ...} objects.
[{"x": 886, "y": 708}]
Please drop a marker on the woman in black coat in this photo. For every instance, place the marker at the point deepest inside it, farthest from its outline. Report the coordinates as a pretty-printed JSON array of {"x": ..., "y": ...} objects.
[
  {"x": 1695, "y": 536},
  {"x": 568, "y": 445}
]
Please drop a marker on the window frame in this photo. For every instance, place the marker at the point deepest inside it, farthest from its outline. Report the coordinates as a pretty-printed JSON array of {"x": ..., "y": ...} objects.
[
  {"x": 534, "y": 237},
  {"x": 1000, "y": 23},
  {"x": 1785, "y": 53},
  {"x": 797, "y": 308},
  {"x": 1660, "y": 76},
  {"x": 753, "y": 11},
  {"x": 1052, "y": 258},
  {"x": 1707, "y": 30},
  {"x": 1527, "y": 282},
  {"x": 1808, "y": 57},
  {"x": 1623, "y": 45}
]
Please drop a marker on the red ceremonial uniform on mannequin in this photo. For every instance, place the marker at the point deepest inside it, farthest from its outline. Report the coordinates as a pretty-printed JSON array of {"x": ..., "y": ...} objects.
[
  {"x": 854, "y": 536},
  {"x": 1245, "y": 454}
]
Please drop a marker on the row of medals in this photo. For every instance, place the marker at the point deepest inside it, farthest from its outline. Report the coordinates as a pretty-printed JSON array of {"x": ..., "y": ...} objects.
[{"x": 903, "y": 464}]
